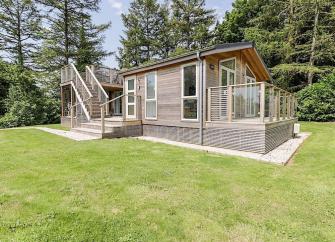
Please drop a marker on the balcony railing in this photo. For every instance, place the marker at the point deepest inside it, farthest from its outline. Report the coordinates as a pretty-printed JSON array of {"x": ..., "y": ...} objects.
[
  {"x": 253, "y": 102},
  {"x": 107, "y": 75}
]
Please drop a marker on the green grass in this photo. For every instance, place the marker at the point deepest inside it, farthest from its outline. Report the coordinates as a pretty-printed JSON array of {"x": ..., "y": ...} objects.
[{"x": 55, "y": 189}]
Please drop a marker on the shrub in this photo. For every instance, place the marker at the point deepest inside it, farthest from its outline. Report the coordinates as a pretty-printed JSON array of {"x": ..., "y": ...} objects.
[{"x": 317, "y": 102}]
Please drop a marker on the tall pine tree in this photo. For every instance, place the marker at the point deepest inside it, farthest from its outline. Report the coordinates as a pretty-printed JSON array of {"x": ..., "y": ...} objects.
[
  {"x": 20, "y": 30},
  {"x": 144, "y": 24},
  {"x": 63, "y": 33},
  {"x": 191, "y": 22},
  {"x": 89, "y": 44}
]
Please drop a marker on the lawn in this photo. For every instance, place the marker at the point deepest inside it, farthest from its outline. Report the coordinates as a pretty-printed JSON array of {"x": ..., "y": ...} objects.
[{"x": 55, "y": 189}]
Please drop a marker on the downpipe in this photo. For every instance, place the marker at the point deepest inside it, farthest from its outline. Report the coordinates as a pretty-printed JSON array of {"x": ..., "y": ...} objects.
[{"x": 201, "y": 121}]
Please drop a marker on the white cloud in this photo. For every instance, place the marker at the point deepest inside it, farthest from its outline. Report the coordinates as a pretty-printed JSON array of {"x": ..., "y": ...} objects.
[{"x": 117, "y": 5}]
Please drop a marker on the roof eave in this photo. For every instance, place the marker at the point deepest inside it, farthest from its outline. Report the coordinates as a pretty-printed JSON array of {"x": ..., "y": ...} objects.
[{"x": 205, "y": 52}]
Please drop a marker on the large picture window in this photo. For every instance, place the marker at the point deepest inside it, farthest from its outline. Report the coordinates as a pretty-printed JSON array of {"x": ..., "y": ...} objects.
[
  {"x": 189, "y": 92},
  {"x": 151, "y": 95}
]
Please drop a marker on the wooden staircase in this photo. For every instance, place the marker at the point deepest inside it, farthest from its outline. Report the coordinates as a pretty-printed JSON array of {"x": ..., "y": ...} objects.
[{"x": 113, "y": 126}]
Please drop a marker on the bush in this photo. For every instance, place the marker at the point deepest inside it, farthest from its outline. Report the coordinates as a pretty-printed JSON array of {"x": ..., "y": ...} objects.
[{"x": 317, "y": 102}]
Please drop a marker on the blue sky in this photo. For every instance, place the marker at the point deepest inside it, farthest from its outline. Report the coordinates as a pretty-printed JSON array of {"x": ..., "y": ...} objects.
[{"x": 112, "y": 9}]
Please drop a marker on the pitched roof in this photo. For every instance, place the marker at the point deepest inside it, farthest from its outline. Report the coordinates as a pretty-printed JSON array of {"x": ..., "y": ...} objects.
[{"x": 192, "y": 55}]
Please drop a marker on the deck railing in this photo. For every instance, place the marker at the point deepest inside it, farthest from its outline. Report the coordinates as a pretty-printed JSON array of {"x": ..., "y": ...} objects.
[
  {"x": 255, "y": 102},
  {"x": 135, "y": 99},
  {"x": 107, "y": 75}
]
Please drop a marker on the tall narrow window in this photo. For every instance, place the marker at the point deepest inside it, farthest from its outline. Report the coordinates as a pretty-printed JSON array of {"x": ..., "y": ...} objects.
[
  {"x": 189, "y": 92},
  {"x": 151, "y": 96},
  {"x": 227, "y": 72}
]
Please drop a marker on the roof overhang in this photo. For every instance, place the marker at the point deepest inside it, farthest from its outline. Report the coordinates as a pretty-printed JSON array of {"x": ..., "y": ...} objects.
[{"x": 221, "y": 48}]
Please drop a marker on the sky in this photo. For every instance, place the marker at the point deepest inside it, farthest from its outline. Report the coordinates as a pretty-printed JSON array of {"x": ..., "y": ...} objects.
[{"x": 111, "y": 12}]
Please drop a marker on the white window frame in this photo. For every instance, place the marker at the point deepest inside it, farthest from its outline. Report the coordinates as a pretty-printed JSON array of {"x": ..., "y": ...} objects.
[
  {"x": 245, "y": 73},
  {"x": 228, "y": 70},
  {"x": 150, "y": 100},
  {"x": 126, "y": 97},
  {"x": 190, "y": 97}
]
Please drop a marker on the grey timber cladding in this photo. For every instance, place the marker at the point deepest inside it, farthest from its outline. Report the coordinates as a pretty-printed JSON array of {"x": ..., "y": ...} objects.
[
  {"x": 235, "y": 139},
  {"x": 125, "y": 131},
  {"x": 246, "y": 140},
  {"x": 275, "y": 136},
  {"x": 253, "y": 140}
]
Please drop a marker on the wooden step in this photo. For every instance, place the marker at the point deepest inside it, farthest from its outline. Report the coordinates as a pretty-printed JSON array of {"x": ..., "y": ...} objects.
[
  {"x": 92, "y": 132},
  {"x": 97, "y": 126}
]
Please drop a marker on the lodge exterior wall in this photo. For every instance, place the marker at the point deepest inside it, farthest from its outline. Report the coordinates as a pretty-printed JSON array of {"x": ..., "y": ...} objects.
[{"x": 253, "y": 138}]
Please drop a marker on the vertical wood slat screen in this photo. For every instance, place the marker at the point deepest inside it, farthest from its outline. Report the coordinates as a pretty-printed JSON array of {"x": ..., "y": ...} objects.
[{"x": 219, "y": 103}]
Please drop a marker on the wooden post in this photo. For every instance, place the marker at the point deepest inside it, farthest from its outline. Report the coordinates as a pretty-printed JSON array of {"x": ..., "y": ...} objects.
[
  {"x": 62, "y": 101},
  {"x": 289, "y": 106},
  {"x": 230, "y": 104},
  {"x": 262, "y": 102},
  {"x": 102, "y": 120},
  {"x": 209, "y": 97},
  {"x": 284, "y": 106},
  {"x": 271, "y": 103},
  {"x": 71, "y": 113}
]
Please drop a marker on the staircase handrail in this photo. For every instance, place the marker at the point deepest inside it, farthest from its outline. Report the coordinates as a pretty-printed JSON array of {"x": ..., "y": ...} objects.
[
  {"x": 97, "y": 82},
  {"x": 81, "y": 102},
  {"x": 81, "y": 80},
  {"x": 114, "y": 99}
]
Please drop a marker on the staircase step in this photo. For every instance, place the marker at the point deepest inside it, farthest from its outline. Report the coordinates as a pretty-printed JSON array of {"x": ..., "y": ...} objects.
[{"x": 97, "y": 126}]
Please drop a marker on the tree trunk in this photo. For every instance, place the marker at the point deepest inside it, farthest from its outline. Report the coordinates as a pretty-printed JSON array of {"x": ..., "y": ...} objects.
[
  {"x": 20, "y": 58},
  {"x": 315, "y": 33},
  {"x": 66, "y": 32},
  {"x": 291, "y": 30}
]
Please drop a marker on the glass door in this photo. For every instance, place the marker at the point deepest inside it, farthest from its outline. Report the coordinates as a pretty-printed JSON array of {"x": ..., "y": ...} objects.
[
  {"x": 118, "y": 103},
  {"x": 227, "y": 77},
  {"x": 130, "y": 97},
  {"x": 251, "y": 94}
]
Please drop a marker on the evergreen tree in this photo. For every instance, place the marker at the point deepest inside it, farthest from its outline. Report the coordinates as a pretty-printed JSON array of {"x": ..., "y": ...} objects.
[
  {"x": 191, "y": 22},
  {"x": 166, "y": 43},
  {"x": 60, "y": 46},
  {"x": 295, "y": 37},
  {"x": 20, "y": 30},
  {"x": 144, "y": 24},
  {"x": 89, "y": 45}
]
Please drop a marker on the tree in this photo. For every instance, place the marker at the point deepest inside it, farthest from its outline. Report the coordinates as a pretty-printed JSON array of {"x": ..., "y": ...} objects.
[
  {"x": 191, "y": 22},
  {"x": 317, "y": 101},
  {"x": 144, "y": 24},
  {"x": 89, "y": 44},
  {"x": 20, "y": 30},
  {"x": 62, "y": 35},
  {"x": 295, "y": 37}
]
